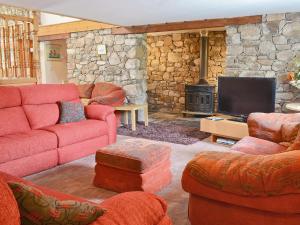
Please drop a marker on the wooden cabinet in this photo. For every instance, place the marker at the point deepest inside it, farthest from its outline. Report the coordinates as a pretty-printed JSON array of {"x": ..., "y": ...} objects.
[{"x": 224, "y": 128}]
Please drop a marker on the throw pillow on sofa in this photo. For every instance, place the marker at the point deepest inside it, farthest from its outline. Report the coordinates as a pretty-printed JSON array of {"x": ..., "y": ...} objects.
[
  {"x": 9, "y": 212},
  {"x": 36, "y": 208},
  {"x": 71, "y": 112}
]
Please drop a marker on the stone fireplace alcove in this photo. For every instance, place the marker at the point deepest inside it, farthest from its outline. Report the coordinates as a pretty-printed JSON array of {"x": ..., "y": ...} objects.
[
  {"x": 154, "y": 68},
  {"x": 174, "y": 61}
]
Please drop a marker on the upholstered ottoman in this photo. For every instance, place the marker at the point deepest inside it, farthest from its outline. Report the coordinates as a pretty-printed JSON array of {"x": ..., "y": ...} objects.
[{"x": 133, "y": 165}]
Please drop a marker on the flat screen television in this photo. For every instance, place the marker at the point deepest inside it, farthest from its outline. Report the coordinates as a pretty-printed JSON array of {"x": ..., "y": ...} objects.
[{"x": 240, "y": 96}]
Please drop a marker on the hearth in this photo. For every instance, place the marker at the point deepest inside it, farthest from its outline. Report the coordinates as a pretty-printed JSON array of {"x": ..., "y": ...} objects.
[{"x": 199, "y": 98}]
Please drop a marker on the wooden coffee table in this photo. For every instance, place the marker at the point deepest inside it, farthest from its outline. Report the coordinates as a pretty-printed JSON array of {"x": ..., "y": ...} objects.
[{"x": 133, "y": 108}]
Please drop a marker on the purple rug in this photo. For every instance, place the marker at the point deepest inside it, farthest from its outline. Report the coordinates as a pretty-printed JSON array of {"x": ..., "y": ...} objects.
[{"x": 165, "y": 131}]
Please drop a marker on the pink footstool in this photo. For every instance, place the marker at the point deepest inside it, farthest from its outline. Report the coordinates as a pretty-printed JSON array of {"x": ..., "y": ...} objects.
[{"x": 133, "y": 165}]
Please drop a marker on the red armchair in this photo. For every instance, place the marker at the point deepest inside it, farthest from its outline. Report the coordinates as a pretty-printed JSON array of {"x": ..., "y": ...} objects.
[{"x": 257, "y": 184}]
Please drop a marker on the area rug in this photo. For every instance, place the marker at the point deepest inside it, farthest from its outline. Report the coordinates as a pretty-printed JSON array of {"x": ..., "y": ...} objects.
[
  {"x": 165, "y": 131},
  {"x": 76, "y": 178}
]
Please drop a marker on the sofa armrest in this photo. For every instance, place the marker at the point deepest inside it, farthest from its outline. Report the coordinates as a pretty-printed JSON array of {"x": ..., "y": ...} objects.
[
  {"x": 268, "y": 125},
  {"x": 105, "y": 113},
  {"x": 98, "y": 112},
  {"x": 244, "y": 174}
]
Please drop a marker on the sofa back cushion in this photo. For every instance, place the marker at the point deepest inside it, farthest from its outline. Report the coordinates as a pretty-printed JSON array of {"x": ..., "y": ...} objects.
[
  {"x": 40, "y": 102},
  {"x": 12, "y": 116},
  {"x": 9, "y": 97},
  {"x": 9, "y": 212},
  {"x": 103, "y": 89}
]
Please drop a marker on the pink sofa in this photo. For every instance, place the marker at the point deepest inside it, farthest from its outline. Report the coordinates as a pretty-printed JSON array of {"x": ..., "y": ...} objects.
[{"x": 31, "y": 140}]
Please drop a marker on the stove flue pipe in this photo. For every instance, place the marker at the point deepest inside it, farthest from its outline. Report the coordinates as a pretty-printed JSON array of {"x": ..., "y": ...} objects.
[{"x": 203, "y": 57}]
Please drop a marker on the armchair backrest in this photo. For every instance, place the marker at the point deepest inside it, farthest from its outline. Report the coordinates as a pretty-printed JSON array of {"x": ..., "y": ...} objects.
[{"x": 268, "y": 125}]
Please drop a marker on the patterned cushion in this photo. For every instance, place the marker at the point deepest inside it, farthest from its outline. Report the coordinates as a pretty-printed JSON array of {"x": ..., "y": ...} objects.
[
  {"x": 9, "y": 212},
  {"x": 38, "y": 208},
  {"x": 71, "y": 112}
]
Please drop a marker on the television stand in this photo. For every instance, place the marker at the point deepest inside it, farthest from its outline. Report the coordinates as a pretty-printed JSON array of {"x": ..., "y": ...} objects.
[
  {"x": 223, "y": 127},
  {"x": 239, "y": 119}
]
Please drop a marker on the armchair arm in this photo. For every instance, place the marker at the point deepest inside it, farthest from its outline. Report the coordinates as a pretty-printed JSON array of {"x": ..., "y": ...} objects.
[
  {"x": 105, "y": 113},
  {"x": 243, "y": 174},
  {"x": 98, "y": 112},
  {"x": 268, "y": 125}
]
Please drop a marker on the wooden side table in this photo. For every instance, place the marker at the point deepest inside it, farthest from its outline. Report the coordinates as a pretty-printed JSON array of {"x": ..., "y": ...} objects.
[
  {"x": 133, "y": 108},
  {"x": 295, "y": 106}
]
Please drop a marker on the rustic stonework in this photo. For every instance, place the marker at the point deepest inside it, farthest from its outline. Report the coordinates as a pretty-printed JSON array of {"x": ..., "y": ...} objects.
[
  {"x": 124, "y": 64},
  {"x": 173, "y": 61},
  {"x": 266, "y": 50}
]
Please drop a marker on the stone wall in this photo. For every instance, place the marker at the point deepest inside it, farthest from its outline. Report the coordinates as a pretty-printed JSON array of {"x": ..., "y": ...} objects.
[
  {"x": 124, "y": 64},
  {"x": 266, "y": 50},
  {"x": 173, "y": 61}
]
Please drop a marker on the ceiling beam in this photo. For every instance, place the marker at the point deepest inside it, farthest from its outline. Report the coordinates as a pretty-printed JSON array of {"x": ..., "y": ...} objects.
[
  {"x": 187, "y": 25},
  {"x": 70, "y": 27},
  {"x": 54, "y": 37}
]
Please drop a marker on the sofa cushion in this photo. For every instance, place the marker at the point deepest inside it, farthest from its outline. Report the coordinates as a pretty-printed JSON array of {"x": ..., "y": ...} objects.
[
  {"x": 19, "y": 145},
  {"x": 134, "y": 208},
  {"x": 71, "y": 112},
  {"x": 38, "y": 208},
  {"x": 289, "y": 131},
  {"x": 70, "y": 133},
  {"x": 85, "y": 90},
  {"x": 42, "y": 115},
  {"x": 133, "y": 155},
  {"x": 9, "y": 97},
  {"x": 247, "y": 175},
  {"x": 13, "y": 120},
  {"x": 9, "y": 212},
  {"x": 104, "y": 88},
  {"x": 256, "y": 146},
  {"x": 48, "y": 93}
]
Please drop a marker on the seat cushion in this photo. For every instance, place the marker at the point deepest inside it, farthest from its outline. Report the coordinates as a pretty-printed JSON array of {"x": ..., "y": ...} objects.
[
  {"x": 9, "y": 212},
  {"x": 256, "y": 146},
  {"x": 70, "y": 133},
  {"x": 19, "y": 145},
  {"x": 133, "y": 155}
]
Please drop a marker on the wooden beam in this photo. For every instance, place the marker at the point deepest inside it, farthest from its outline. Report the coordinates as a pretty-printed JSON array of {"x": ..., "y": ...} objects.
[
  {"x": 19, "y": 81},
  {"x": 70, "y": 27},
  {"x": 54, "y": 37},
  {"x": 187, "y": 25},
  {"x": 16, "y": 18}
]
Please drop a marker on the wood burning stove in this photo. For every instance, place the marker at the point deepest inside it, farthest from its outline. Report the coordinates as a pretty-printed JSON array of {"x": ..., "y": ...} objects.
[{"x": 199, "y": 98}]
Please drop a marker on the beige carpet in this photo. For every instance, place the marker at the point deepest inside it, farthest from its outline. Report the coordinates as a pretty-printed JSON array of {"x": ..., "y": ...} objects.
[{"x": 76, "y": 178}]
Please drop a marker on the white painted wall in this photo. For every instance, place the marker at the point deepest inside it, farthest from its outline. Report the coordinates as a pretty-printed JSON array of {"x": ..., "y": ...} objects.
[
  {"x": 53, "y": 72},
  {"x": 50, "y": 19}
]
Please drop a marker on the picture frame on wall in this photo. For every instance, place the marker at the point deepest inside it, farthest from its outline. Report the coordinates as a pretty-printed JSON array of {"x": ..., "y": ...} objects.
[{"x": 53, "y": 52}]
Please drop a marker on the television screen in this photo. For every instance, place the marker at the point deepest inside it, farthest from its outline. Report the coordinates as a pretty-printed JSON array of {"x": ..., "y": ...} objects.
[{"x": 244, "y": 95}]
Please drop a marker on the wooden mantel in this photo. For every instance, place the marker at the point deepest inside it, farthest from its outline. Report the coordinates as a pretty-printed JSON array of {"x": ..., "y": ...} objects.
[{"x": 187, "y": 25}]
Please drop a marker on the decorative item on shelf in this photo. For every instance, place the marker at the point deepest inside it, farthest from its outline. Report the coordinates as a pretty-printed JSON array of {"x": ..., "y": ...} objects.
[{"x": 294, "y": 75}]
